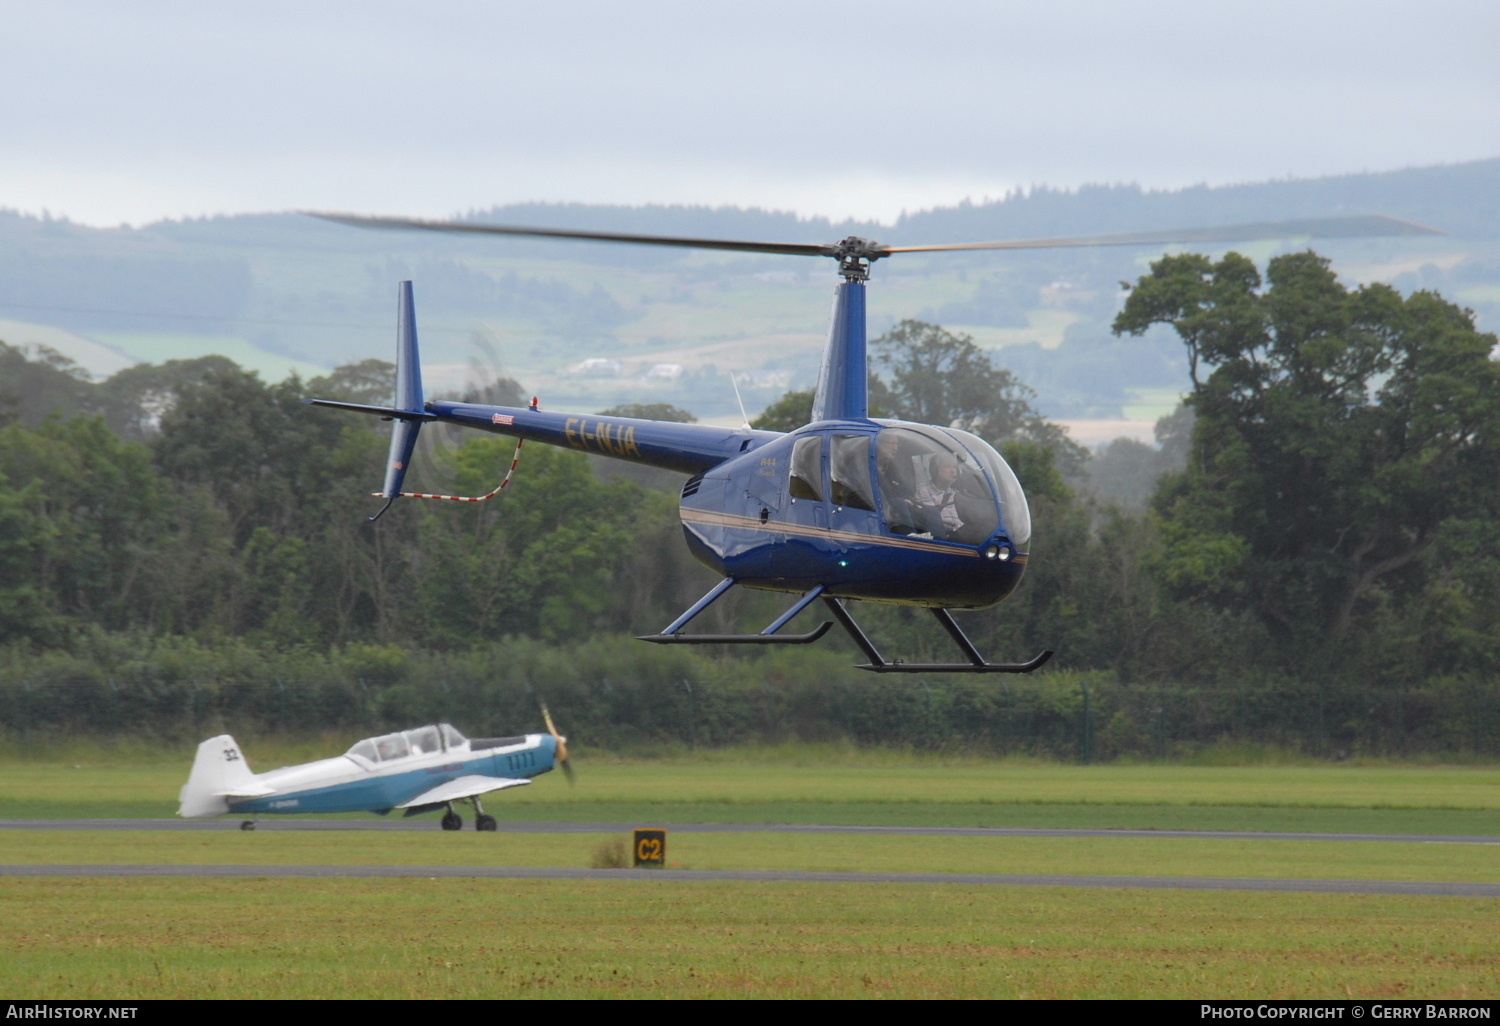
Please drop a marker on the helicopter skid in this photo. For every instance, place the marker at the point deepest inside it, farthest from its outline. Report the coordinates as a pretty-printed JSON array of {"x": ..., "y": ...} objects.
[
  {"x": 739, "y": 639},
  {"x": 1025, "y": 667}
]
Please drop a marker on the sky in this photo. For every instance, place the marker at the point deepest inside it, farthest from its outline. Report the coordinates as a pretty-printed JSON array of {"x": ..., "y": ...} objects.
[{"x": 130, "y": 112}]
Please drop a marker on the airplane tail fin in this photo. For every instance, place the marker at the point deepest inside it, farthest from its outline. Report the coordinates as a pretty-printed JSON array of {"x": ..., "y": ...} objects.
[{"x": 219, "y": 770}]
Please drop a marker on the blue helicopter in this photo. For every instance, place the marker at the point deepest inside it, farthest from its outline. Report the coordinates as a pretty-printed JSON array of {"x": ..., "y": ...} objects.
[{"x": 848, "y": 507}]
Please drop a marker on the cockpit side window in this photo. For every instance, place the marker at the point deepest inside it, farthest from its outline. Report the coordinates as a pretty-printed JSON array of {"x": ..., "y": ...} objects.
[
  {"x": 392, "y": 746},
  {"x": 807, "y": 469},
  {"x": 849, "y": 468},
  {"x": 366, "y": 750},
  {"x": 423, "y": 741},
  {"x": 452, "y": 737}
]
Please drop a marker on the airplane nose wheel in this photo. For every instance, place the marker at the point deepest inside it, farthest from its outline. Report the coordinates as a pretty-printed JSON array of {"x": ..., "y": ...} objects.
[
  {"x": 452, "y": 821},
  {"x": 248, "y": 824}
]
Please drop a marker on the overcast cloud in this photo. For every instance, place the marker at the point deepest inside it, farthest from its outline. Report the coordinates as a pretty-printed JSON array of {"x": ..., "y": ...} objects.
[{"x": 129, "y": 111}]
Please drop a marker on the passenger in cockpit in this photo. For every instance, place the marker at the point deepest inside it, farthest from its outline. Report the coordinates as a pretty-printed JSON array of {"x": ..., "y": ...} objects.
[
  {"x": 896, "y": 487},
  {"x": 937, "y": 501}
]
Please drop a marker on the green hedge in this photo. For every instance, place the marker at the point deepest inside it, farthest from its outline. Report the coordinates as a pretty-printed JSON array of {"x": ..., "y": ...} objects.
[{"x": 615, "y": 693}]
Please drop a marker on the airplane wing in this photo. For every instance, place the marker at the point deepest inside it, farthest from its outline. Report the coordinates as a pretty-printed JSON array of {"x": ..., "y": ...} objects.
[{"x": 462, "y": 787}]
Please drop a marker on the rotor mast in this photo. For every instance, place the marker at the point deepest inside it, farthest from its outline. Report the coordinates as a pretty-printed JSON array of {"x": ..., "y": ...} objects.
[{"x": 843, "y": 380}]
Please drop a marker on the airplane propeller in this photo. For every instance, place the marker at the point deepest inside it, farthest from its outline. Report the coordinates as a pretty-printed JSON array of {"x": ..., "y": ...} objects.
[{"x": 562, "y": 745}]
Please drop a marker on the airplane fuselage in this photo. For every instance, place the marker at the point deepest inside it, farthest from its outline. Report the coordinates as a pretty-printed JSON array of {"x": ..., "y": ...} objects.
[
  {"x": 377, "y": 775},
  {"x": 347, "y": 783}
]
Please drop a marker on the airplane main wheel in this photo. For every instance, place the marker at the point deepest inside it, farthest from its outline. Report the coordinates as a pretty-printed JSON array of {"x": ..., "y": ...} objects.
[
  {"x": 484, "y": 823},
  {"x": 452, "y": 821},
  {"x": 248, "y": 824}
]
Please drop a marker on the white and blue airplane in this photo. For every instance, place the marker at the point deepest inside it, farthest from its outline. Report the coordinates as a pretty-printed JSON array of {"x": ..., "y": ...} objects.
[{"x": 419, "y": 770}]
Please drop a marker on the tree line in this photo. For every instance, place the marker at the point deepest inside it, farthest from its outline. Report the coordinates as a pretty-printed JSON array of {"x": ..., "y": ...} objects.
[{"x": 1330, "y": 528}]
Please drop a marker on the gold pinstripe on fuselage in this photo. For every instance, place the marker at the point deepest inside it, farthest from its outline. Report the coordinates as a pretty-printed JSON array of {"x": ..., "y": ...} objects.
[{"x": 709, "y": 518}]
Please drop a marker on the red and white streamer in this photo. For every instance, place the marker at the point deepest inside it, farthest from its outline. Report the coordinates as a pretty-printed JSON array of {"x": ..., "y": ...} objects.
[{"x": 470, "y": 498}]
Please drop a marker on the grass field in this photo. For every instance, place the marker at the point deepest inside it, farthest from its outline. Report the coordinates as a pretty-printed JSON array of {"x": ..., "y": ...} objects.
[
  {"x": 813, "y": 785},
  {"x": 191, "y": 937},
  {"x": 499, "y": 938}
]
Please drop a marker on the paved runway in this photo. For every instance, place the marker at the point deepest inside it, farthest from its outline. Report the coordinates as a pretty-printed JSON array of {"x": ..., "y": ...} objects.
[
  {"x": 548, "y": 827},
  {"x": 1475, "y": 890}
]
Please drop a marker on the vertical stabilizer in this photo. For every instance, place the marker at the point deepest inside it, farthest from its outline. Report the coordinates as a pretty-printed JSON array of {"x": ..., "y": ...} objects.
[
  {"x": 843, "y": 382},
  {"x": 408, "y": 394},
  {"x": 219, "y": 770}
]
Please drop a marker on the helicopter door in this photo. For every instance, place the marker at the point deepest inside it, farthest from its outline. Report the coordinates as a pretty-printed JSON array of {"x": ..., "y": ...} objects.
[
  {"x": 806, "y": 490},
  {"x": 852, "y": 490},
  {"x": 767, "y": 483}
]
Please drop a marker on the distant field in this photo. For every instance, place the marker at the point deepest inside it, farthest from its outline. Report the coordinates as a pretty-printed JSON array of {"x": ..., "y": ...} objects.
[
  {"x": 1152, "y": 403},
  {"x": 814, "y": 786},
  {"x": 158, "y": 347},
  {"x": 415, "y": 938},
  {"x": 1044, "y": 326},
  {"x": 99, "y": 360}
]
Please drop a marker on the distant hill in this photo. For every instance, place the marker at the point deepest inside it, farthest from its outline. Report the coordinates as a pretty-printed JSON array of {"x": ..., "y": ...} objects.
[
  {"x": 277, "y": 291},
  {"x": 1458, "y": 198}
]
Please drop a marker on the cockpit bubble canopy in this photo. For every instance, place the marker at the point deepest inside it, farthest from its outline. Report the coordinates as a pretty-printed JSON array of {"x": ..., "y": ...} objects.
[
  {"x": 421, "y": 741},
  {"x": 1013, "y": 507},
  {"x": 948, "y": 484}
]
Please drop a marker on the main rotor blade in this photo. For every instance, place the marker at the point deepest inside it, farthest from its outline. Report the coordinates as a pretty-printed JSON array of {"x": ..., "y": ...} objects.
[
  {"x": 1360, "y": 227},
  {"x": 466, "y": 227}
]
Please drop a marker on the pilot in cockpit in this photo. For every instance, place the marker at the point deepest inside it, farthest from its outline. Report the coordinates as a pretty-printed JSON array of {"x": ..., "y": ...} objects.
[{"x": 937, "y": 500}]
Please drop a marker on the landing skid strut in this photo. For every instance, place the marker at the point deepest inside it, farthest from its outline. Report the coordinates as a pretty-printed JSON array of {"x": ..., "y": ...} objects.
[
  {"x": 976, "y": 663},
  {"x": 877, "y": 663},
  {"x": 670, "y": 636}
]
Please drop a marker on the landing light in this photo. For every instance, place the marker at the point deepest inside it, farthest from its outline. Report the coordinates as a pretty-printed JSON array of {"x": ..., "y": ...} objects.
[{"x": 1000, "y": 552}]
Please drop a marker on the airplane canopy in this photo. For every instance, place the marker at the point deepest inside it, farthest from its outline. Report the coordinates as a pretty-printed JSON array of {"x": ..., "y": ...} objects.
[{"x": 407, "y": 743}]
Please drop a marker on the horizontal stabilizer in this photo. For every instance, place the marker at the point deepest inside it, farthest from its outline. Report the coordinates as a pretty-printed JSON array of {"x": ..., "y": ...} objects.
[
  {"x": 247, "y": 791},
  {"x": 388, "y": 412},
  {"x": 463, "y": 787}
]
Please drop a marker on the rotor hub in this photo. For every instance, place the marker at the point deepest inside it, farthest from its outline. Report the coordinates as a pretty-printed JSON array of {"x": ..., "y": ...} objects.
[{"x": 855, "y": 255}]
